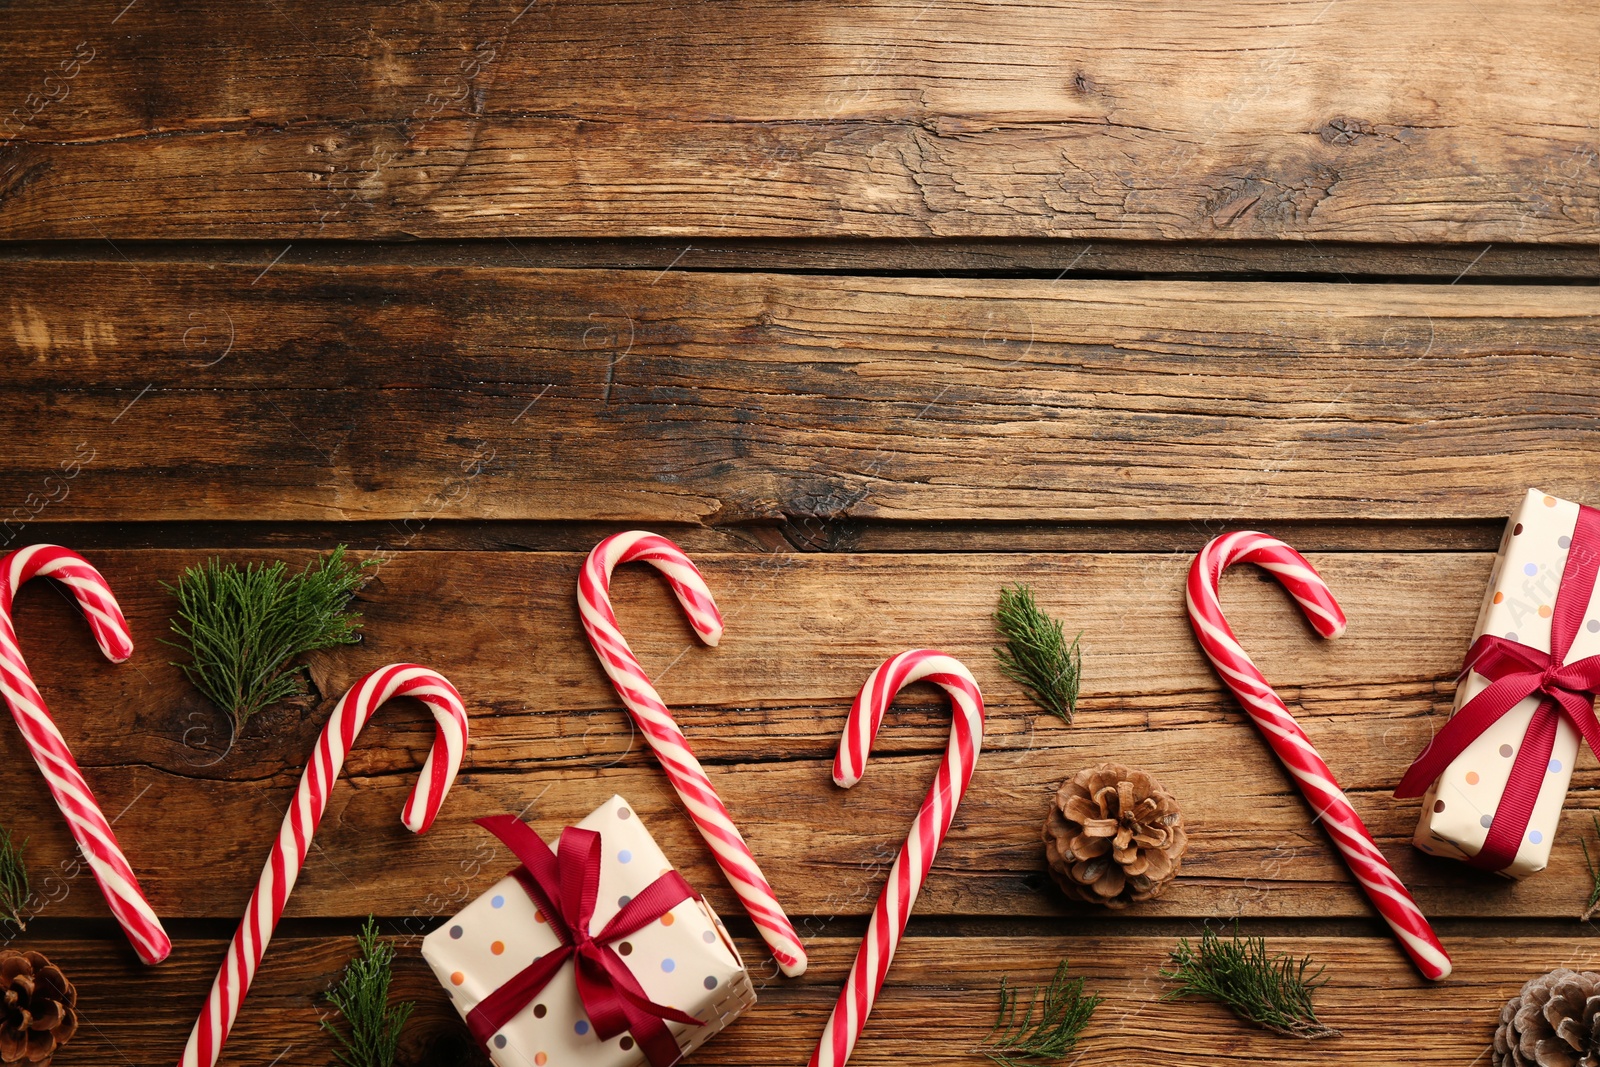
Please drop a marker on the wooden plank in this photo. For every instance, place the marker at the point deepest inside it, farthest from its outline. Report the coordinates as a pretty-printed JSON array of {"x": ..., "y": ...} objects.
[
  {"x": 1074, "y": 118},
  {"x": 188, "y": 393},
  {"x": 937, "y": 1006},
  {"x": 966, "y": 257},
  {"x": 764, "y": 710}
]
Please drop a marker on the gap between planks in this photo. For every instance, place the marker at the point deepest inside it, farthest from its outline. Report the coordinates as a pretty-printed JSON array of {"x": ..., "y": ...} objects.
[
  {"x": 797, "y": 534},
  {"x": 1346, "y": 261}
]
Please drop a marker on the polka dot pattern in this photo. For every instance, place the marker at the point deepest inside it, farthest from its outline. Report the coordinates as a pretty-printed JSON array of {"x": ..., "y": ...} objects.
[
  {"x": 1555, "y": 766},
  {"x": 1530, "y": 569},
  {"x": 1564, "y": 541},
  {"x": 1486, "y": 822},
  {"x": 1535, "y": 836},
  {"x": 1472, "y": 778},
  {"x": 1438, "y": 805},
  {"x": 484, "y": 935},
  {"x": 1506, "y": 751}
]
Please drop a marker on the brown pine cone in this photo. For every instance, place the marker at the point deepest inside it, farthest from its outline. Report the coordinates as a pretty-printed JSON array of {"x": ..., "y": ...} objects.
[
  {"x": 39, "y": 1013},
  {"x": 1114, "y": 836},
  {"x": 1553, "y": 1022}
]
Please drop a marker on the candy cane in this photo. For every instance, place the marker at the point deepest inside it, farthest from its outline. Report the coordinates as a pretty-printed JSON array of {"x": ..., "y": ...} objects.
[
  {"x": 300, "y": 823},
  {"x": 88, "y": 823},
  {"x": 668, "y": 742},
  {"x": 911, "y": 866},
  {"x": 1294, "y": 749}
]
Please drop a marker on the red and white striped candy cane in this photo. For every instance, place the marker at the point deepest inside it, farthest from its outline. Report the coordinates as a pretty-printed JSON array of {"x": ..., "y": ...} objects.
[
  {"x": 667, "y": 741},
  {"x": 1294, "y": 749},
  {"x": 89, "y": 826},
  {"x": 911, "y": 866},
  {"x": 300, "y": 823}
]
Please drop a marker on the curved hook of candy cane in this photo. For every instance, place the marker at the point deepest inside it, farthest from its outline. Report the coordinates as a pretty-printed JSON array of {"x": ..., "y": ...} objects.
[
  {"x": 88, "y": 588},
  {"x": 916, "y": 856},
  {"x": 283, "y": 864},
  {"x": 1287, "y": 740},
  {"x": 96, "y": 841},
  {"x": 650, "y": 713},
  {"x": 1298, "y": 578},
  {"x": 641, "y": 546}
]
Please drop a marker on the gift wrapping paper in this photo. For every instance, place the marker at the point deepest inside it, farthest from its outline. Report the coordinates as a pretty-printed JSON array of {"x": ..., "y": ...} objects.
[
  {"x": 1458, "y": 808},
  {"x": 684, "y": 960}
]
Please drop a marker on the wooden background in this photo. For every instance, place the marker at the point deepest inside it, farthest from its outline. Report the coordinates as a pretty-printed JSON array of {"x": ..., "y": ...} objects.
[{"x": 874, "y": 307}]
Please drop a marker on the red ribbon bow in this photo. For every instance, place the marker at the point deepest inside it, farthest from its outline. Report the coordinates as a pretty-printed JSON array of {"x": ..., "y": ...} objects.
[
  {"x": 564, "y": 885},
  {"x": 1515, "y": 672}
]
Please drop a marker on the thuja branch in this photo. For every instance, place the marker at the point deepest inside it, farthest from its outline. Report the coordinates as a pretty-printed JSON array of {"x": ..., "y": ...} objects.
[
  {"x": 1036, "y": 654},
  {"x": 1594, "y": 873},
  {"x": 14, "y": 890},
  {"x": 362, "y": 998},
  {"x": 1042, "y": 1024},
  {"x": 1273, "y": 992},
  {"x": 243, "y": 627}
]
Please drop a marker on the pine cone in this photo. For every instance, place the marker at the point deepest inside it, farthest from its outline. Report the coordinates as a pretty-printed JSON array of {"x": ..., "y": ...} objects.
[
  {"x": 1113, "y": 836},
  {"x": 40, "y": 1010},
  {"x": 1553, "y": 1022}
]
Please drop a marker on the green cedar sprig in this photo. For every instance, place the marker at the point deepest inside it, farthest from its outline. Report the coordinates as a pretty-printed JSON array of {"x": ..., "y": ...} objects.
[
  {"x": 243, "y": 628},
  {"x": 14, "y": 891},
  {"x": 1037, "y": 655},
  {"x": 1049, "y": 1025},
  {"x": 362, "y": 997},
  {"x": 1272, "y": 992},
  {"x": 1594, "y": 874}
]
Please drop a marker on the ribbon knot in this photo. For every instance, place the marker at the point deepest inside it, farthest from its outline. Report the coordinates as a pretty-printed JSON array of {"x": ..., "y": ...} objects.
[
  {"x": 564, "y": 885},
  {"x": 1571, "y": 680},
  {"x": 1516, "y": 671}
]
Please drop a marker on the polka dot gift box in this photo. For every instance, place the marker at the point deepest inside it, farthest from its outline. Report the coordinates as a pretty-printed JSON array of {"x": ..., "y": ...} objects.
[
  {"x": 1494, "y": 778},
  {"x": 494, "y": 954}
]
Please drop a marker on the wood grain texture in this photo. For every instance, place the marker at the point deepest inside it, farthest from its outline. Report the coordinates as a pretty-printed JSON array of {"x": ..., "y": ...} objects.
[
  {"x": 937, "y": 1006},
  {"x": 764, "y": 710},
  {"x": 250, "y": 391},
  {"x": 1063, "y": 119}
]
